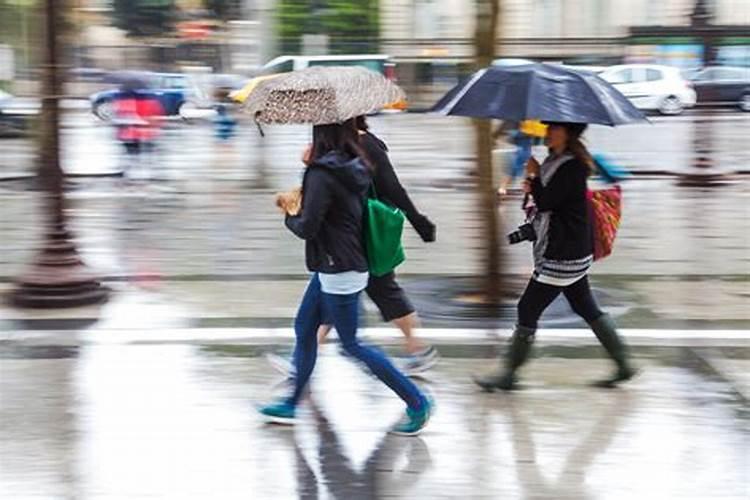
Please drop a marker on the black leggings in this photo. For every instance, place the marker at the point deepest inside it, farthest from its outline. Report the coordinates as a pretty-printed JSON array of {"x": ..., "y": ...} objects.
[{"x": 538, "y": 296}]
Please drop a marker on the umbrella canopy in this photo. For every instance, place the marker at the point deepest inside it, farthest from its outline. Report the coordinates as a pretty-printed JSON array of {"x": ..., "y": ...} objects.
[
  {"x": 321, "y": 95},
  {"x": 543, "y": 92},
  {"x": 242, "y": 94}
]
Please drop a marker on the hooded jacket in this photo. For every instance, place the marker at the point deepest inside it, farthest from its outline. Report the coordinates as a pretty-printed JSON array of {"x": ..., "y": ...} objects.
[{"x": 331, "y": 220}]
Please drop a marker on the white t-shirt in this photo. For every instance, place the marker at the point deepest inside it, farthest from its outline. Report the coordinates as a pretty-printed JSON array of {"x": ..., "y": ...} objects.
[{"x": 345, "y": 283}]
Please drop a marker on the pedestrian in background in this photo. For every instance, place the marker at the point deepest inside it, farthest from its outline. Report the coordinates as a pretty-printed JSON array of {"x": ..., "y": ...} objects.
[
  {"x": 330, "y": 221},
  {"x": 563, "y": 252},
  {"x": 137, "y": 119},
  {"x": 224, "y": 123}
]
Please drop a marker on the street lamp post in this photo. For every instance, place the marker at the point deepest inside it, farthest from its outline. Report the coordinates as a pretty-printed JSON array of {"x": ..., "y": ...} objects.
[{"x": 57, "y": 277}]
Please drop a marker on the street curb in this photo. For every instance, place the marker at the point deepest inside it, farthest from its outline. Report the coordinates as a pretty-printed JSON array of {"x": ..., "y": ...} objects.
[
  {"x": 713, "y": 369},
  {"x": 25, "y": 177}
]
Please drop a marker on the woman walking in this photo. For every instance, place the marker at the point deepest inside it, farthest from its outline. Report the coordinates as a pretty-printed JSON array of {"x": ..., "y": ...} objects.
[
  {"x": 385, "y": 292},
  {"x": 562, "y": 255},
  {"x": 330, "y": 221}
]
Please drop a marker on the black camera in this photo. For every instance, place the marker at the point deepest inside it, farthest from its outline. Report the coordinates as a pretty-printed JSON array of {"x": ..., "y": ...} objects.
[{"x": 525, "y": 232}]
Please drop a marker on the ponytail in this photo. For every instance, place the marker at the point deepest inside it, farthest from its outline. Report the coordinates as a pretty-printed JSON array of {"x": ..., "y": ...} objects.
[{"x": 581, "y": 153}]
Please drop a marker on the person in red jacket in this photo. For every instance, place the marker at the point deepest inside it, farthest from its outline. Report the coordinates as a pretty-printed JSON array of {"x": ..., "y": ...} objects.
[{"x": 137, "y": 116}]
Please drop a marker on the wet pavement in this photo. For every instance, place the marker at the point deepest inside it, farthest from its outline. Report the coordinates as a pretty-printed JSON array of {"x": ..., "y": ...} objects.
[
  {"x": 221, "y": 253},
  {"x": 188, "y": 152},
  {"x": 231, "y": 230},
  {"x": 151, "y": 395},
  {"x": 165, "y": 421}
]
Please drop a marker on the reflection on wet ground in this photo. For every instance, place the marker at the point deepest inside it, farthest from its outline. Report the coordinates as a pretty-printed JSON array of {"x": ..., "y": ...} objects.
[{"x": 177, "y": 421}]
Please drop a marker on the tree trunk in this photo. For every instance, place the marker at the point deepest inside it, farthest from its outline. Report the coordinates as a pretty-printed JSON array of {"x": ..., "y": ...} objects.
[{"x": 488, "y": 13}]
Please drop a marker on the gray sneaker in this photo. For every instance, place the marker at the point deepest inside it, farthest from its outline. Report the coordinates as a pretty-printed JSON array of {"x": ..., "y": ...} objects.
[{"x": 282, "y": 365}]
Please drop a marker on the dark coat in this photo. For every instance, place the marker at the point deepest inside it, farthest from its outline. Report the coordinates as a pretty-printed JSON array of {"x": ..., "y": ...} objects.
[
  {"x": 389, "y": 188},
  {"x": 334, "y": 189},
  {"x": 565, "y": 197}
]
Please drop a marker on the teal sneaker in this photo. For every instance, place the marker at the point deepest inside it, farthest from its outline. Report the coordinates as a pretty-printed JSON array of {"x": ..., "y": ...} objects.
[
  {"x": 414, "y": 421},
  {"x": 279, "y": 413}
]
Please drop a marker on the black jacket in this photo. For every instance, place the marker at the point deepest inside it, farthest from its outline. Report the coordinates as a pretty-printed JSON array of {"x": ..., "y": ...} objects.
[
  {"x": 565, "y": 197},
  {"x": 389, "y": 189},
  {"x": 334, "y": 189}
]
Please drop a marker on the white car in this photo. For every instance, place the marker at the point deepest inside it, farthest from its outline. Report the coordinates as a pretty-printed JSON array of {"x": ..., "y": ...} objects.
[{"x": 651, "y": 87}]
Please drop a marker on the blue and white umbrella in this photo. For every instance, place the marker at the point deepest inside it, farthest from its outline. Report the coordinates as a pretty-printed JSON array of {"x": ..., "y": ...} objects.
[{"x": 544, "y": 92}]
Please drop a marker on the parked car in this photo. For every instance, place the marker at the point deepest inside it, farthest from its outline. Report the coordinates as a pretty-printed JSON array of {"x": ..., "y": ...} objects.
[
  {"x": 375, "y": 62},
  {"x": 723, "y": 86},
  {"x": 651, "y": 87},
  {"x": 586, "y": 67},
  {"x": 177, "y": 93},
  {"x": 285, "y": 64},
  {"x": 511, "y": 61},
  {"x": 16, "y": 114},
  {"x": 86, "y": 74}
]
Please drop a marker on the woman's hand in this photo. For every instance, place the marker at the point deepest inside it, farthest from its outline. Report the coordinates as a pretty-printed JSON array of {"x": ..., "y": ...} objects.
[
  {"x": 526, "y": 186},
  {"x": 532, "y": 167},
  {"x": 307, "y": 155}
]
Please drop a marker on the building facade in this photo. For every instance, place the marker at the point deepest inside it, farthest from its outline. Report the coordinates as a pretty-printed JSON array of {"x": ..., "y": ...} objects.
[{"x": 571, "y": 26}]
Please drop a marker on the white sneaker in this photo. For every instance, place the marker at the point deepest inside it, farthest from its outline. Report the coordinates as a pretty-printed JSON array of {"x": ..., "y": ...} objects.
[{"x": 282, "y": 365}]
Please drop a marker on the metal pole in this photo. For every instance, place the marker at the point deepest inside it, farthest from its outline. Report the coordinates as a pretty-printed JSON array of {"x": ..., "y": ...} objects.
[{"x": 57, "y": 277}]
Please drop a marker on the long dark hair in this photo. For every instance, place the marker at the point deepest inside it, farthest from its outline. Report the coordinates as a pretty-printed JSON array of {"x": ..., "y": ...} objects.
[
  {"x": 342, "y": 137},
  {"x": 576, "y": 145},
  {"x": 361, "y": 123}
]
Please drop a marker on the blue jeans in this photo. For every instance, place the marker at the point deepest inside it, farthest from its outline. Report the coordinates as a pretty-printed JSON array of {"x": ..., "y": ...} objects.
[{"x": 344, "y": 311}]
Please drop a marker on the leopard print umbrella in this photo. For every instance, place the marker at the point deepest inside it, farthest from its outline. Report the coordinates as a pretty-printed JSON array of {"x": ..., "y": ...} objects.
[{"x": 321, "y": 95}]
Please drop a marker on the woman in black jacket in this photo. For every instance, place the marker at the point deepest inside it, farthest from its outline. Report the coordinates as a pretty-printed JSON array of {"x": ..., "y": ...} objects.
[
  {"x": 335, "y": 184},
  {"x": 391, "y": 300},
  {"x": 563, "y": 253}
]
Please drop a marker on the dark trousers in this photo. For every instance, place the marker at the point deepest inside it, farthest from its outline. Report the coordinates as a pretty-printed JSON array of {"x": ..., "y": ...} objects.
[{"x": 538, "y": 296}]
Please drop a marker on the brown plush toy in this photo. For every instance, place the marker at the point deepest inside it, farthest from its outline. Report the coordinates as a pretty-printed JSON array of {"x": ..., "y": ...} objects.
[{"x": 290, "y": 202}]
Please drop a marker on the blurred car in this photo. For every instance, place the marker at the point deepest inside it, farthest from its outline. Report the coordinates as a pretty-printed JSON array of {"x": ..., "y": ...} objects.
[
  {"x": 177, "y": 94},
  {"x": 586, "y": 67},
  {"x": 284, "y": 64},
  {"x": 85, "y": 74},
  {"x": 651, "y": 87},
  {"x": 511, "y": 61},
  {"x": 723, "y": 86},
  {"x": 16, "y": 114},
  {"x": 376, "y": 62}
]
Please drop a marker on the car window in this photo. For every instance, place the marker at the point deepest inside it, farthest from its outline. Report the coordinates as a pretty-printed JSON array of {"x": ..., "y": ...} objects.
[
  {"x": 727, "y": 74},
  {"x": 653, "y": 75},
  {"x": 621, "y": 76},
  {"x": 175, "y": 82},
  {"x": 371, "y": 64},
  {"x": 283, "y": 67},
  {"x": 703, "y": 76}
]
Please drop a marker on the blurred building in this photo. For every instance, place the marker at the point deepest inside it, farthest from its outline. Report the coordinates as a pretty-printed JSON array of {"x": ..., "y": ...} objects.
[{"x": 541, "y": 29}]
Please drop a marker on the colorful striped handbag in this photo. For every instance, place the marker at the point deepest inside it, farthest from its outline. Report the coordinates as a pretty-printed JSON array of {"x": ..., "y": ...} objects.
[{"x": 605, "y": 206}]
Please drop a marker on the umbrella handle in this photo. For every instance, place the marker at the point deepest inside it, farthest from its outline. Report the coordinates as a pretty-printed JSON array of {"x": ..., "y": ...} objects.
[{"x": 257, "y": 124}]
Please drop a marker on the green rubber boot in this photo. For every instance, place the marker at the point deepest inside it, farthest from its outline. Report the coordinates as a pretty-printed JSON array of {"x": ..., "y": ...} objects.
[
  {"x": 606, "y": 331},
  {"x": 516, "y": 355}
]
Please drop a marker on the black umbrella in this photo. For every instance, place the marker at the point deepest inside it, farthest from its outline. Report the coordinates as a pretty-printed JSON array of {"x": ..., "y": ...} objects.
[{"x": 543, "y": 92}]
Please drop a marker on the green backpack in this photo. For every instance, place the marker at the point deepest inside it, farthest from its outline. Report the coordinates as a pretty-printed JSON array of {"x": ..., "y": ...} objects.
[{"x": 384, "y": 226}]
